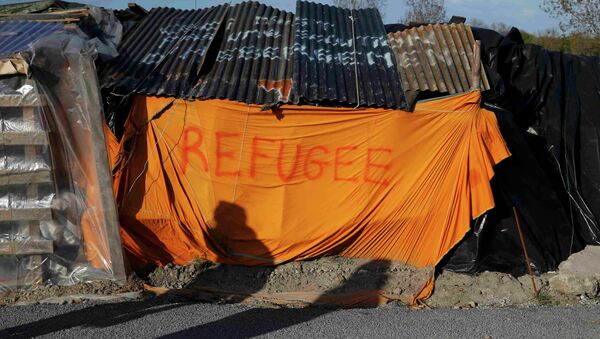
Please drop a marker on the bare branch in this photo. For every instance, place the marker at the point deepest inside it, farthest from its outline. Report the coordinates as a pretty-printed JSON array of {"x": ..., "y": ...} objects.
[
  {"x": 381, "y": 5},
  {"x": 581, "y": 16},
  {"x": 425, "y": 11}
]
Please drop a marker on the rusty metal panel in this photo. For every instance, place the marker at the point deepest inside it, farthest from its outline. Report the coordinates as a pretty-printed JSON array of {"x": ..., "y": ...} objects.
[
  {"x": 437, "y": 58},
  {"x": 164, "y": 53},
  {"x": 324, "y": 58},
  {"x": 254, "y": 59}
]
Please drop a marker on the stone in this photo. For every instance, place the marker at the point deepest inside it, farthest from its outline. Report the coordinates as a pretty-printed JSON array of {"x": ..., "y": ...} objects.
[
  {"x": 578, "y": 275},
  {"x": 582, "y": 264}
]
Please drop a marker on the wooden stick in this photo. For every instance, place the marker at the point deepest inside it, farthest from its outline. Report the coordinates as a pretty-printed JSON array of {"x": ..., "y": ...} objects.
[
  {"x": 476, "y": 69},
  {"x": 535, "y": 290}
]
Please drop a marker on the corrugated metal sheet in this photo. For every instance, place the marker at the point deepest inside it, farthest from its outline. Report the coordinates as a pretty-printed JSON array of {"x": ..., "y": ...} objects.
[
  {"x": 436, "y": 58},
  {"x": 324, "y": 58},
  {"x": 15, "y": 36},
  {"x": 253, "y": 63},
  {"x": 240, "y": 52},
  {"x": 258, "y": 54},
  {"x": 163, "y": 55}
]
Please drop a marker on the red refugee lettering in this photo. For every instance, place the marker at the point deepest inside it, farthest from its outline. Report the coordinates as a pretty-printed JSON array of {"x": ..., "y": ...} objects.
[
  {"x": 193, "y": 148},
  {"x": 256, "y": 154},
  {"x": 320, "y": 163},
  {"x": 224, "y": 154},
  {"x": 292, "y": 172},
  {"x": 338, "y": 163},
  {"x": 371, "y": 164}
]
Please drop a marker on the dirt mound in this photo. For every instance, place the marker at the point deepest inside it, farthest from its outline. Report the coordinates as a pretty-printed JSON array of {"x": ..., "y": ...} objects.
[
  {"x": 301, "y": 283},
  {"x": 486, "y": 289},
  {"x": 338, "y": 280},
  {"x": 174, "y": 276},
  {"x": 345, "y": 282},
  {"x": 43, "y": 292}
]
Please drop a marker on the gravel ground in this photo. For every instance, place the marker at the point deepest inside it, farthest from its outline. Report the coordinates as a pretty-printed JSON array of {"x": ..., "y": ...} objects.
[{"x": 152, "y": 318}]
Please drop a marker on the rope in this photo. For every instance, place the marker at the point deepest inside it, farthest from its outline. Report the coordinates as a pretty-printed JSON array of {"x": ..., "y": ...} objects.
[
  {"x": 355, "y": 61},
  {"x": 135, "y": 136},
  {"x": 202, "y": 214},
  {"x": 237, "y": 176},
  {"x": 162, "y": 132}
]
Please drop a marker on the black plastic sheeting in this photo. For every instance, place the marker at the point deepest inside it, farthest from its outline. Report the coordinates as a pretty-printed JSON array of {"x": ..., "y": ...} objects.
[
  {"x": 520, "y": 181},
  {"x": 562, "y": 106},
  {"x": 324, "y": 57},
  {"x": 553, "y": 177},
  {"x": 130, "y": 16}
]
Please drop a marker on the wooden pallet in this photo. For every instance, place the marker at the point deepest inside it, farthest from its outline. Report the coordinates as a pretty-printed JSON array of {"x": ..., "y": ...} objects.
[
  {"x": 24, "y": 138},
  {"x": 37, "y": 177},
  {"x": 34, "y": 247},
  {"x": 29, "y": 247}
]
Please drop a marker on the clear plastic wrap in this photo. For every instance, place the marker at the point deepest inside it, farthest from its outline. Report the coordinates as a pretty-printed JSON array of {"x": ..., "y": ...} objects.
[{"x": 58, "y": 221}]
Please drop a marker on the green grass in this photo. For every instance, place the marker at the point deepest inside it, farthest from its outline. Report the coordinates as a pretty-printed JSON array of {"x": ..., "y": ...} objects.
[{"x": 545, "y": 299}]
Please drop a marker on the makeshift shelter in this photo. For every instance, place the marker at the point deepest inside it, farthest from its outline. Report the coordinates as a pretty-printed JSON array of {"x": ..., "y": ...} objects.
[
  {"x": 227, "y": 182},
  {"x": 257, "y": 136},
  {"x": 240, "y": 174},
  {"x": 58, "y": 220}
]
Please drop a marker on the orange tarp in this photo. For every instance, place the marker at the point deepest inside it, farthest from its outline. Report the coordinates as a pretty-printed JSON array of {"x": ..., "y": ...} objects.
[{"x": 228, "y": 182}]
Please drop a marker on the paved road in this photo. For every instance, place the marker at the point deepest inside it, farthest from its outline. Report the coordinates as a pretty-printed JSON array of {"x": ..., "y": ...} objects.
[{"x": 147, "y": 319}]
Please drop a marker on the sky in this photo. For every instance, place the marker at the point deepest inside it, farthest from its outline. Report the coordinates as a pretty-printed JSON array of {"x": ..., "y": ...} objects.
[{"x": 523, "y": 14}]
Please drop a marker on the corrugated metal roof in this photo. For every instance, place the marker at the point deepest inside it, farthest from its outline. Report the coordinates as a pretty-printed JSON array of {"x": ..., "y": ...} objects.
[
  {"x": 324, "y": 57},
  {"x": 258, "y": 54},
  {"x": 164, "y": 53},
  {"x": 15, "y": 36},
  {"x": 254, "y": 63},
  {"x": 250, "y": 54},
  {"x": 436, "y": 58}
]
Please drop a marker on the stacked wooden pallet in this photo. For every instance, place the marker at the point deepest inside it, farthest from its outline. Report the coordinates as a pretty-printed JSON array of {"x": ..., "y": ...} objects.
[{"x": 26, "y": 190}]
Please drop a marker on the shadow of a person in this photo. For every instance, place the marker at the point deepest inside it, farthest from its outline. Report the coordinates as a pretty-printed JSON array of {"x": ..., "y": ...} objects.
[
  {"x": 95, "y": 316},
  {"x": 233, "y": 237},
  {"x": 232, "y": 233},
  {"x": 362, "y": 289}
]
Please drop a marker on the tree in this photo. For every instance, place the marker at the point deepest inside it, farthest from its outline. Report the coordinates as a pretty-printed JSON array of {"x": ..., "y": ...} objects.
[
  {"x": 425, "y": 11},
  {"x": 358, "y": 4},
  {"x": 499, "y": 27},
  {"x": 573, "y": 43},
  {"x": 581, "y": 16},
  {"x": 477, "y": 23}
]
